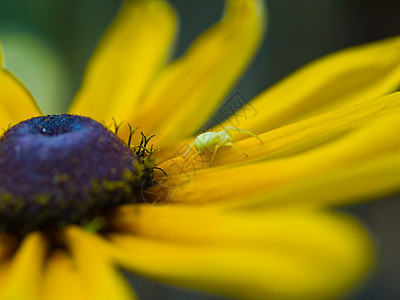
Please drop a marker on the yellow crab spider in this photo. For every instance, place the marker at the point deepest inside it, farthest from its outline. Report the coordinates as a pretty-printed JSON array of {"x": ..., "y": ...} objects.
[{"x": 210, "y": 142}]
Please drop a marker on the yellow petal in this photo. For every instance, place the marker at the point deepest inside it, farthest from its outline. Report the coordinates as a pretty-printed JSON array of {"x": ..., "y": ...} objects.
[
  {"x": 370, "y": 140},
  {"x": 8, "y": 245},
  {"x": 346, "y": 77},
  {"x": 24, "y": 274},
  {"x": 284, "y": 141},
  {"x": 129, "y": 55},
  {"x": 16, "y": 103},
  {"x": 189, "y": 90},
  {"x": 95, "y": 269},
  {"x": 61, "y": 280},
  {"x": 373, "y": 179},
  {"x": 278, "y": 255}
]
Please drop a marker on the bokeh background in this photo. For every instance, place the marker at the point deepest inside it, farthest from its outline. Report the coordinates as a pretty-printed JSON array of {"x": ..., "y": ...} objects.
[{"x": 47, "y": 43}]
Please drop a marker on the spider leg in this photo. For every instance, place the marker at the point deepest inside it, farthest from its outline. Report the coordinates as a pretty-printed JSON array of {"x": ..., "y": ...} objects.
[
  {"x": 187, "y": 151},
  {"x": 214, "y": 153},
  {"x": 230, "y": 128},
  {"x": 228, "y": 133},
  {"x": 235, "y": 147}
]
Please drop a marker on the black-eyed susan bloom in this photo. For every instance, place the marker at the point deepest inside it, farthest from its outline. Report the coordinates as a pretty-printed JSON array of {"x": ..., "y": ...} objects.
[{"x": 77, "y": 203}]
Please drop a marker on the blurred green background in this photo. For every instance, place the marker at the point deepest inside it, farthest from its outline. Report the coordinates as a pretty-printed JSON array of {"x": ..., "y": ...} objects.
[{"x": 46, "y": 44}]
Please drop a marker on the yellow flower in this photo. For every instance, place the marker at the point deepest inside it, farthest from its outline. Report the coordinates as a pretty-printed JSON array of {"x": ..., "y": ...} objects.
[{"x": 247, "y": 227}]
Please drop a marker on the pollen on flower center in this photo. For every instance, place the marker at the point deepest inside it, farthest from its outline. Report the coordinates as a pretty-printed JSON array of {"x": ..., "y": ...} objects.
[{"x": 63, "y": 169}]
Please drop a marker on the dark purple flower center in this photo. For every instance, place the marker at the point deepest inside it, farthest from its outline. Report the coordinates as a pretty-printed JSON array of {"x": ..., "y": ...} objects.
[{"x": 63, "y": 169}]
